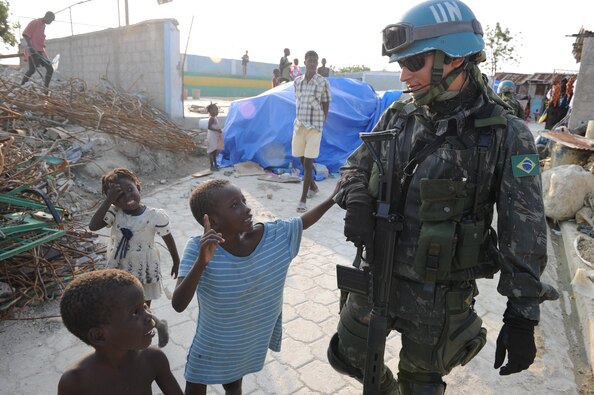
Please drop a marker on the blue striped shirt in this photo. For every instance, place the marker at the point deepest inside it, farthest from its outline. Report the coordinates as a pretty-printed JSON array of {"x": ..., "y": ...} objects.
[{"x": 240, "y": 305}]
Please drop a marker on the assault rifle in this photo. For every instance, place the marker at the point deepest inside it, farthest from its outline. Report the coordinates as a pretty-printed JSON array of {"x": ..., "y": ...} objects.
[{"x": 375, "y": 281}]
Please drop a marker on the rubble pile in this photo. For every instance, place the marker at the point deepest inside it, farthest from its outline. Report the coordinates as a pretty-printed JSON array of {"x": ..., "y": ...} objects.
[
  {"x": 103, "y": 108},
  {"x": 41, "y": 246}
]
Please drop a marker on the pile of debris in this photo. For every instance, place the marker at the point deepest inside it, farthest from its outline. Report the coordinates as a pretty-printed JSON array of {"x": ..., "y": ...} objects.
[
  {"x": 41, "y": 246},
  {"x": 102, "y": 108}
]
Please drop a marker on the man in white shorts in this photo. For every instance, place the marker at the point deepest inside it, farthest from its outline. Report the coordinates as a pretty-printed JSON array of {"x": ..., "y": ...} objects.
[{"x": 312, "y": 96}]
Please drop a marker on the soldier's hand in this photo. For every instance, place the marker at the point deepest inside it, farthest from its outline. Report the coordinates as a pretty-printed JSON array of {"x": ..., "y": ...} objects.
[
  {"x": 359, "y": 220},
  {"x": 517, "y": 340}
]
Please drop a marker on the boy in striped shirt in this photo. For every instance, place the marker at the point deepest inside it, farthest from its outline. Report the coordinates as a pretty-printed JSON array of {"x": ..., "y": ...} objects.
[{"x": 237, "y": 270}]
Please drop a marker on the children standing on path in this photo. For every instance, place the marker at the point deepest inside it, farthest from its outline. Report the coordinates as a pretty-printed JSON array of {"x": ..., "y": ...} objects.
[
  {"x": 214, "y": 136},
  {"x": 106, "y": 310},
  {"x": 132, "y": 242},
  {"x": 237, "y": 270}
]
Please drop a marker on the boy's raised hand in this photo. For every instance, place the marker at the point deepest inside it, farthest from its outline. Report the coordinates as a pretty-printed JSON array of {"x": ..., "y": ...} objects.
[{"x": 209, "y": 241}]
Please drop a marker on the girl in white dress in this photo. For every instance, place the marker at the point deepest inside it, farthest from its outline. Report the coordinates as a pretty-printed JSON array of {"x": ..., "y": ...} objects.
[
  {"x": 214, "y": 136},
  {"x": 132, "y": 243}
]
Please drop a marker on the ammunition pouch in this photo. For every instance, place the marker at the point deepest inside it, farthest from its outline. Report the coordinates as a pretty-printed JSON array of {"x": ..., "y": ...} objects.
[{"x": 447, "y": 242}]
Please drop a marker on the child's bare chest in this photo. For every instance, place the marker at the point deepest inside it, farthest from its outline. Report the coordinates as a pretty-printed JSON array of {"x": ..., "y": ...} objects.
[{"x": 124, "y": 382}]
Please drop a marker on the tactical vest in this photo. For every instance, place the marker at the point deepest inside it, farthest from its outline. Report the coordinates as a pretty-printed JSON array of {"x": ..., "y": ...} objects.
[{"x": 454, "y": 243}]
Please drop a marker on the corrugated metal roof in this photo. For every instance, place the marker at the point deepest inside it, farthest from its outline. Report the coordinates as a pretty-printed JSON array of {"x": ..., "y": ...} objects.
[
  {"x": 536, "y": 78},
  {"x": 570, "y": 140}
]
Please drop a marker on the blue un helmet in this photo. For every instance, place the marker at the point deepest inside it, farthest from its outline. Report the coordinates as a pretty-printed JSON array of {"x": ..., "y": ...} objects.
[
  {"x": 506, "y": 86},
  {"x": 445, "y": 25}
]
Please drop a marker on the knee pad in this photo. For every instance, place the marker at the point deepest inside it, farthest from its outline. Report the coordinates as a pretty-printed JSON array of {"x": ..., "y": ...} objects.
[
  {"x": 465, "y": 337},
  {"x": 461, "y": 339},
  {"x": 346, "y": 352},
  {"x": 338, "y": 364},
  {"x": 389, "y": 385},
  {"x": 348, "y": 347}
]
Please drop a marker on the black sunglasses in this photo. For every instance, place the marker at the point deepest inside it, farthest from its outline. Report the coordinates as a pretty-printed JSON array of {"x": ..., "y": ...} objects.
[{"x": 414, "y": 63}]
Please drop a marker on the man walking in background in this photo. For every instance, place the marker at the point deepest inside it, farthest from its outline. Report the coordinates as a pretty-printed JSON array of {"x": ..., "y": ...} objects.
[
  {"x": 34, "y": 35},
  {"x": 245, "y": 59},
  {"x": 312, "y": 98}
]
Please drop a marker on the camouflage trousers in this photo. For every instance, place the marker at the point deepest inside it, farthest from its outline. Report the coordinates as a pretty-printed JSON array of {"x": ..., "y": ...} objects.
[{"x": 440, "y": 329}]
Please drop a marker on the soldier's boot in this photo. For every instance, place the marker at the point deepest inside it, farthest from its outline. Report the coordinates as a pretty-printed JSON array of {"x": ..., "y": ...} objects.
[
  {"x": 420, "y": 384},
  {"x": 389, "y": 385}
]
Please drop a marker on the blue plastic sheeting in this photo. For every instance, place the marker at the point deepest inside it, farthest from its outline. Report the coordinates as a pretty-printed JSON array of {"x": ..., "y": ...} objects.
[{"x": 260, "y": 128}]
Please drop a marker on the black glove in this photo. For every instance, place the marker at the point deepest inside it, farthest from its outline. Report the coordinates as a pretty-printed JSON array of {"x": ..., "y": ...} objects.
[
  {"x": 359, "y": 220},
  {"x": 517, "y": 339}
]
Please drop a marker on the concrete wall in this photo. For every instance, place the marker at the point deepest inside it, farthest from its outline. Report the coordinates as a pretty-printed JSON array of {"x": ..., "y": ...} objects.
[
  {"x": 583, "y": 99},
  {"x": 142, "y": 58}
]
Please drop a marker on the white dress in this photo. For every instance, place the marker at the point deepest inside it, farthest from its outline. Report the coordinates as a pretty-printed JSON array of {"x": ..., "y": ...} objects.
[
  {"x": 132, "y": 245},
  {"x": 214, "y": 137}
]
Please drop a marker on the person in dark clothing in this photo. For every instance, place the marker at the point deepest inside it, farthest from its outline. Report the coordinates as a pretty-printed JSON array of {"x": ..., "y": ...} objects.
[{"x": 34, "y": 35}]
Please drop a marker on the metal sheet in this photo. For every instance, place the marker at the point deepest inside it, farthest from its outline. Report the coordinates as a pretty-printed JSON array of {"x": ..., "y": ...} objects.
[{"x": 570, "y": 140}]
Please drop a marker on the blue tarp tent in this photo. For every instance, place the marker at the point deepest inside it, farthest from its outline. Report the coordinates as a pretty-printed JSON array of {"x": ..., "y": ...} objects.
[{"x": 260, "y": 128}]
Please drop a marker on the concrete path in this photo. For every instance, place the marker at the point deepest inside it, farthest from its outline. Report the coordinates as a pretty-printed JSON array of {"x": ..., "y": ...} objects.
[{"x": 33, "y": 364}]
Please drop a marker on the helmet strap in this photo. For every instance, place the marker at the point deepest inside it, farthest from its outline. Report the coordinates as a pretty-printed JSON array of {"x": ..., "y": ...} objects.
[
  {"x": 437, "y": 70},
  {"x": 439, "y": 84}
]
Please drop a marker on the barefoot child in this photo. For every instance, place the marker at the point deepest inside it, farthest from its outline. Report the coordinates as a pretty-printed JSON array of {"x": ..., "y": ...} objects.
[
  {"x": 133, "y": 227},
  {"x": 106, "y": 310},
  {"x": 214, "y": 136},
  {"x": 237, "y": 270}
]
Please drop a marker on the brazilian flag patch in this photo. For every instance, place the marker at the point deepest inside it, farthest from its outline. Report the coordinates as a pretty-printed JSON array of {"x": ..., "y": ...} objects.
[{"x": 525, "y": 165}]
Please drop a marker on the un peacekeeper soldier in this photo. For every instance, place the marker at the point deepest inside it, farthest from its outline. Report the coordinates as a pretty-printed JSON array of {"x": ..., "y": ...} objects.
[
  {"x": 506, "y": 91},
  {"x": 486, "y": 158}
]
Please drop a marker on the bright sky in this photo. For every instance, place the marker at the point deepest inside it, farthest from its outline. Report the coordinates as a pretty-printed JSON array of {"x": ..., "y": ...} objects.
[{"x": 345, "y": 33}]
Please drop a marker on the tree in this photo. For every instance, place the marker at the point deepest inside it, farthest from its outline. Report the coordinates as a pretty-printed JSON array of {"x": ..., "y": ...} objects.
[
  {"x": 353, "y": 69},
  {"x": 7, "y": 29},
  {"x": 499, "y": 43}
]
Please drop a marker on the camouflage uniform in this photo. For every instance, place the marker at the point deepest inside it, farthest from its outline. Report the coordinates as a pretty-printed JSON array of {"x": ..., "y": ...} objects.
[
  {"x": 514, "y": 105},
  {"x": 509, "y": 178}
]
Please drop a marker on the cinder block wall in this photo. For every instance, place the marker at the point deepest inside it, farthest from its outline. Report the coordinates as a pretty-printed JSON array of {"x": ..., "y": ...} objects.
[
  {"x": 142, "y": 58},
  {"x": 583, "y": 100}
]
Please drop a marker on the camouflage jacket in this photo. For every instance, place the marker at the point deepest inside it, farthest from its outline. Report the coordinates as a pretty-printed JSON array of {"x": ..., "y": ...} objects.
[
  {"x": 510, "y": 182},
  {"x": 515, "y": 106}
]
